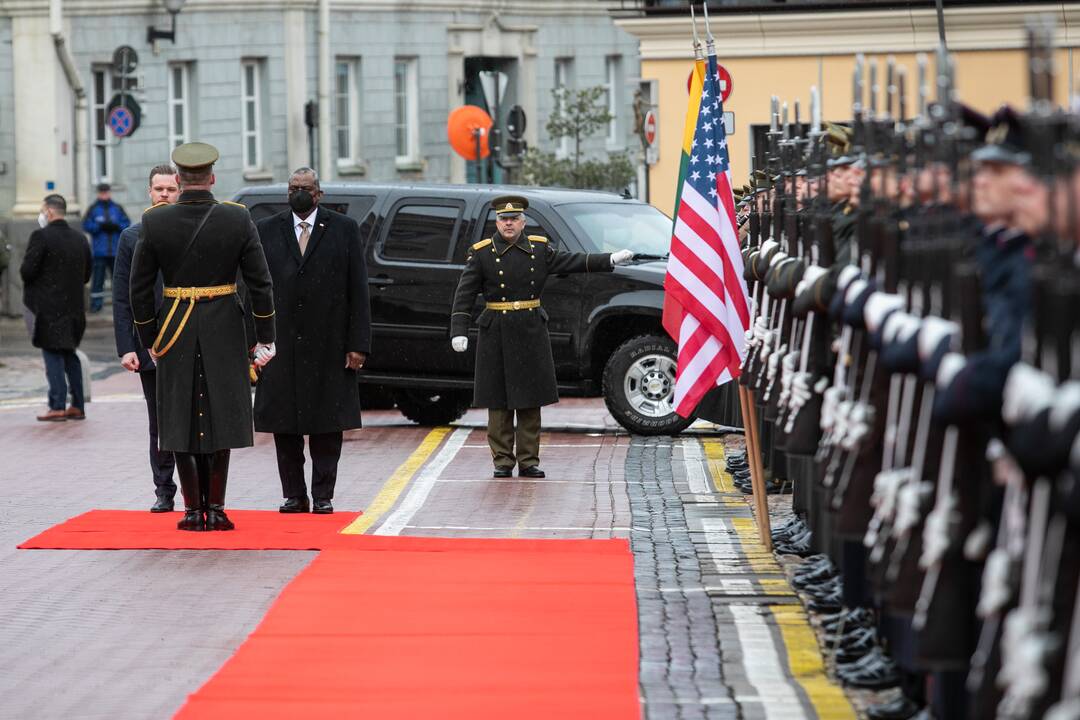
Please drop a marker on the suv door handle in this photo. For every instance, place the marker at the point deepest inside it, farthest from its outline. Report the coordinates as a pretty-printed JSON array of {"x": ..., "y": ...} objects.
[{"x": 381, "y": 280}]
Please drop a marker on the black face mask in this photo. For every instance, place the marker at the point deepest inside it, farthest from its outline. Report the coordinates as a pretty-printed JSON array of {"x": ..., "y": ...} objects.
[{"x": 301, "y": 201}]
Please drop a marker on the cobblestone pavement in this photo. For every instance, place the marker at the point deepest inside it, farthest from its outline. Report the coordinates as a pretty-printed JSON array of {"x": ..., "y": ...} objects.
[{"x": 130, "y": 633}]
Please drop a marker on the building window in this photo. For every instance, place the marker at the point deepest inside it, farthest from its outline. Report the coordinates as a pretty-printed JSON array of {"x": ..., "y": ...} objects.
[
  {"x": 347, "y": 111},
  {"x": 179, "y": 104},
  {"x": 406, "y": 111},
  {"x": 105, "y": 85},
  {"x": 611, "y": 86},
  {"x": 251, "y": 113},
  {"x": 562, "y": 86}
]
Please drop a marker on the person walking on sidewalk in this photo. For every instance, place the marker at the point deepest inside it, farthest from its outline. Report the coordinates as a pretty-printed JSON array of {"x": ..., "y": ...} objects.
[
  {"x": 134, "y": 357},
  {"x": 54, "y": 271},
  {"x": 323, "y": 319},
  {"x": 198, "y": 337},
  {"x": 515, "y": 371},
  {"x": 104, "y": 221}
]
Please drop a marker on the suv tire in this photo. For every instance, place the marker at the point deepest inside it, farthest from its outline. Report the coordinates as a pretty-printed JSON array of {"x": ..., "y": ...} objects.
[
  {"x": 432, "y": 407},
  {"x": 639, "y": 384}
]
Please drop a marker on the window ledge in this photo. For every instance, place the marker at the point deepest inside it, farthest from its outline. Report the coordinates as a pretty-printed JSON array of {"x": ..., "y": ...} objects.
[
  {"x": 409, "y": 165},
  {"x": 358, "y": 167},
  {"x": 258, "y": 175}
]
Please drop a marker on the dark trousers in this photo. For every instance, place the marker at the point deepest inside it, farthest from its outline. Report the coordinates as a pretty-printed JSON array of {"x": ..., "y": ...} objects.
[
  {"x": 510, "y": 445},
  {"x": 162, "y": 462},
  {"x": 325, "y": 450},
  {"x": 58, "y": 364},
  {"x": 97, "y": 281}
]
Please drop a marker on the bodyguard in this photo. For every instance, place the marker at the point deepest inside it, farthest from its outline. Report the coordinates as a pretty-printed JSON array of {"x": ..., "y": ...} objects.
[
  {"x": 134, "y": 357},
  {"x": 324, "y": 334},
  {"x": 197, "y": 338},
  {"x": 515, "y": 372}
]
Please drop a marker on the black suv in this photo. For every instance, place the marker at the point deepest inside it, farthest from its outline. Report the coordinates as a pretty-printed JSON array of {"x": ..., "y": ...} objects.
[{"x": 605, "y": 329}]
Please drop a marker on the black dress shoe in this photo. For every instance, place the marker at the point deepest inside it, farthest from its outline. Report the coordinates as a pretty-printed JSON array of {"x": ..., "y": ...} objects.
[
  {"x": 874, "y": 676},
  {"x": 901, "y": 708},
  {"x": 216, "y": 519},
  {"x": 532, "y": 471},
  {"x": 322, "y": 507},
  {"x": 193, "y": 520},
  {"x": 503, "y": 472},
  {"x": 847, "y": 620},
  {"x": 162, "y": 505},
  {"x": 295, "y": 505},
  {"x": 826, "y": 603}
]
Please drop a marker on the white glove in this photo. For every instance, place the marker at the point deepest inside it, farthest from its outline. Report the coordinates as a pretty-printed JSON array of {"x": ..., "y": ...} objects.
[
  {"x": 459, "y": 343},
  {"x": 264, "y": 354},
  {"x": 621, "y": 257}
]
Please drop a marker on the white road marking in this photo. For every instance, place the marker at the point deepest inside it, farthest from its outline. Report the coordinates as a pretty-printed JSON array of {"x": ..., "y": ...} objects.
[
  {"x": 422, "y": 484},
  {"x": 765, "y": 669},
  {"x": 511, "y": 529},
  {"x": 695, "y": 465}
]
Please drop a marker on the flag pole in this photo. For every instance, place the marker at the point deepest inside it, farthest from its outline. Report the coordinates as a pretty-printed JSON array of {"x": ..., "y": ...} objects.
[{"x": 697, "y": 42}]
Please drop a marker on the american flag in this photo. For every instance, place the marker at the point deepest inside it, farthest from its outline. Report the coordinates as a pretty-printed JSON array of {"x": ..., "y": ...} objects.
[{"x": 705, "y": 304}]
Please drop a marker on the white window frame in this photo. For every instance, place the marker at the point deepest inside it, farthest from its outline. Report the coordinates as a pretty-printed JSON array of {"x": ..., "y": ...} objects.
[
  {"x": 251, "y": 96},
  {"x": 412, "y": 112},
  {"x": 563, "y": 66},
  {"x": 109, "y": 86},
  {"x": 611, "y": 71},
  {"x": 351, "y": 97},
  {"x": 183, "y": 102}
]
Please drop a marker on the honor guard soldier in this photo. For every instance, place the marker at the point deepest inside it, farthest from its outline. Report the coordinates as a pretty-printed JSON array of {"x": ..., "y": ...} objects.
[
  {"x": 198, "y": 338},
  {"x": 515, "y": 372}
]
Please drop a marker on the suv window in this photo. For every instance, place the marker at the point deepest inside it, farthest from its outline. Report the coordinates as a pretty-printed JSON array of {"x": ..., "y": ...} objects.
[
  {"x": 532, "y": 227},
  {"x": 421, "y": 232},
  {"x": 360, "y": 208}
]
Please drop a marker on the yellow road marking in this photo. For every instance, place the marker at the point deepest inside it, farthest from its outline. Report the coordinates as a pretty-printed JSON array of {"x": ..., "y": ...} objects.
[
  {"x": 714, "y": 456},
  {"x": 804, "y": 659},
  {"x": 397, "y": 483}
]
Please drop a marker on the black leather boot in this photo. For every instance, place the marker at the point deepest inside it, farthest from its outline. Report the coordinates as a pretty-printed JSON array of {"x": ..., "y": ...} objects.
[
  {"x": 187, "y": 471},
  {"x": 216, "y": 519}
]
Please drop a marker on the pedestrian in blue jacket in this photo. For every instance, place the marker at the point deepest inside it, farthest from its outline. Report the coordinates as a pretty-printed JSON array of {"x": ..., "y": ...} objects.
[{"x": 104, "y": 221}]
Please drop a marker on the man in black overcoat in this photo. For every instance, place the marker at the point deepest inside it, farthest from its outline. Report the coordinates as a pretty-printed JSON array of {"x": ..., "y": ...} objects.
[
  {"x": 133, "y": 356},
  {"x": 316, "y": 260},
  {"x": 515, "y": 372},
  {"x": 197, "y": 337},
  {"x": 55, "y": 270}
]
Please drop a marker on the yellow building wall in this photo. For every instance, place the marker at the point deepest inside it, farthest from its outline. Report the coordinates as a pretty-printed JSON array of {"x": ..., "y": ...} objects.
[{"x": 985, "y": 80}]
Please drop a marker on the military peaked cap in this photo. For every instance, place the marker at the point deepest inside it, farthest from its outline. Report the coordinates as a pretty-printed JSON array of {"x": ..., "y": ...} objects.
[
  {"x": 1005, "y": 141},
  {"x": 509, "y": 205},
  {"x": 194, "y": 156}
]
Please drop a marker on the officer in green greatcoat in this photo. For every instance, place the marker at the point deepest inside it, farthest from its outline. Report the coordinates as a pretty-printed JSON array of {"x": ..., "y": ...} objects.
[{"x": 515, "y": 372}]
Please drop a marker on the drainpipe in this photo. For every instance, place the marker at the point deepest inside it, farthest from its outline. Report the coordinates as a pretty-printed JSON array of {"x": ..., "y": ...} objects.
[
  {"x": 63, "y": 53},
  {"x": 324, "y": 90}
]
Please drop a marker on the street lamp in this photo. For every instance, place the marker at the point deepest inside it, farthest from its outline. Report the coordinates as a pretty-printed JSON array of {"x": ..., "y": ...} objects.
[{"x": 153, "y": 34}]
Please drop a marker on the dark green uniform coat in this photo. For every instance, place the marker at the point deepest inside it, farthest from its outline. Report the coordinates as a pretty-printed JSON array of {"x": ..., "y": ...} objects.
[
  {"x": 323, "y": 312},
  {"x": 514, "y": 367},
  {"x": 212, "y": 412}
]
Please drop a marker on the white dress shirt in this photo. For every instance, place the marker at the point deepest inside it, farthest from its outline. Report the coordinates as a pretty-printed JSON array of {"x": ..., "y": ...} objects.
[{"x": 310, "y": 220}]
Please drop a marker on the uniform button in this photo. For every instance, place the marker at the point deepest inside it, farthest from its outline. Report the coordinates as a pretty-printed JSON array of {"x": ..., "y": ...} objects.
[
  {"x": 504, "y": 298},
  {"x": 496, "y": 259},
  {"x": 200, "y": 414},
  {"x": 202, "y": 434},
  {"x": 531, "y": 282},
  {"x": 500, "y": 272},
  {"x": 503, "y": 312},
  {"x": 532, "y": 269}
]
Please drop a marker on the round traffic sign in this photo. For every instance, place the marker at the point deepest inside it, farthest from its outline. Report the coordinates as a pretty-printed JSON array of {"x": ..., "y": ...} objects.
[
  {"x": 125, "y": 60},
  {"x": 121, "y": 121},
  {"x": 649, "y": 127}
]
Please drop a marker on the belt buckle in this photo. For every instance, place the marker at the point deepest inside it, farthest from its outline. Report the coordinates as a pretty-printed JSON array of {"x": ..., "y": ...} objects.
[{"x": 517, "y": 304}]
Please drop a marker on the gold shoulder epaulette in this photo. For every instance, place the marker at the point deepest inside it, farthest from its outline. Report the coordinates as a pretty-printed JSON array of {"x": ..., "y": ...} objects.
[
  {"x": 156, "y": 205},
  {"x": 537, "y": 238},
  {"x": 482, "y": 244},
  {"x": 230, "y": 202}
]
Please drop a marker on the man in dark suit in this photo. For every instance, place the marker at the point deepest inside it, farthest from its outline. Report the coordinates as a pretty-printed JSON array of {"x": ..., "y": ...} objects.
[
  {"x": 134, "y": 357},
  {"x": 198, "y": 336},
  {"x": 55, "y": 269},
  {"x": 316, "y": 259}
]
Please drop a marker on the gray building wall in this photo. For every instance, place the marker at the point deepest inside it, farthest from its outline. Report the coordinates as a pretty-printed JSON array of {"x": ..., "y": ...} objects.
[{"x": 216, "y": 43}]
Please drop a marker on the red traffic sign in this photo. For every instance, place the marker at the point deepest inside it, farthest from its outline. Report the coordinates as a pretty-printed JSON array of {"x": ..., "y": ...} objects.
[
  {"x": 722, "y": 76},
  {"x": 649, "y": 127},
  {"x": 121, "y": 121}
]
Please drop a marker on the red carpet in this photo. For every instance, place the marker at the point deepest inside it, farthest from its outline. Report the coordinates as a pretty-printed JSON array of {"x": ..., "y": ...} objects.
[
  {"x": 442, "y": 628},
  {"x": 141, "y": 530}
]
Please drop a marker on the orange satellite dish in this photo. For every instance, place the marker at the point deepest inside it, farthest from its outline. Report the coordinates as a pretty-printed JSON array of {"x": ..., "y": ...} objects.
[{"x": 461, "y": 129}]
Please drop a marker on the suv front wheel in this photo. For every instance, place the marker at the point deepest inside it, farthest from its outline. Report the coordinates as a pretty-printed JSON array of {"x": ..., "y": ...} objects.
[
  {"x": 432, "y": 407},
  {"x": 639, "y": 386}
]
